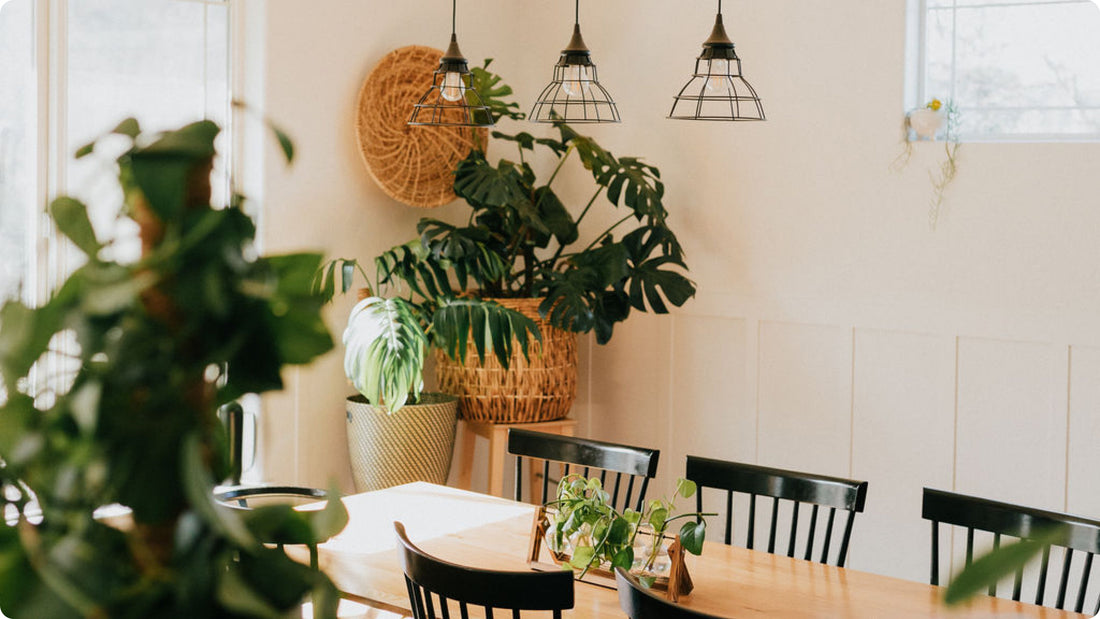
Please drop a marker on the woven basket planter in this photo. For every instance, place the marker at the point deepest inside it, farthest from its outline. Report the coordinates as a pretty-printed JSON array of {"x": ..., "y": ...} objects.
[
  {"x": 540, "y": 389},
  {"x": 413, "y": 444}
]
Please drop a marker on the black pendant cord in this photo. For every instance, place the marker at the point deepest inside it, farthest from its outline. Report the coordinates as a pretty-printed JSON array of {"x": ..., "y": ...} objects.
[
  {"x": 719, "y": 7},
  {"x": 454, "y": 9},
  {"x": 577, "y": 13}
]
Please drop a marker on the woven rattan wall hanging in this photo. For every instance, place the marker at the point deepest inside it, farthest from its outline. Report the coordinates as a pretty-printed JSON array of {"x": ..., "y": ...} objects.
[{"x": 413, "y": 165}]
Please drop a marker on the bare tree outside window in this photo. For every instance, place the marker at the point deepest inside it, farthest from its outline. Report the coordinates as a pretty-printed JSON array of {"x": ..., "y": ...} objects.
[{"x": 1015, "y": 69}]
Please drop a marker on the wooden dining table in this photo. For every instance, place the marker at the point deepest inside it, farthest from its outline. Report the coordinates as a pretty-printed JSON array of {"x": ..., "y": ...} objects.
[{"x": 493, "y": 533}]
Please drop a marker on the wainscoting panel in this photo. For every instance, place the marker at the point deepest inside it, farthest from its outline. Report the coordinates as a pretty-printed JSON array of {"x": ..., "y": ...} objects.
[
  {"x": 902, "y": 440},
  {"x": 1012, "y": 403},
  {"x": 804, "y": 409},
  {"x": 1083, "y": 486},
  {"x": 628, "y": 398},
  {"x": 709, "y": 390}
]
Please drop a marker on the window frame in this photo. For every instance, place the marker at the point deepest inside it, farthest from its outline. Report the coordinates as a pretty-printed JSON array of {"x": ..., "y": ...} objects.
[
  {"x": 49, "y": 257},
  {"x": 916, "y": 76}
]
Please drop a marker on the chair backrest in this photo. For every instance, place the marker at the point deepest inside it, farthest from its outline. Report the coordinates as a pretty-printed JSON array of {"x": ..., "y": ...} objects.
[
  {"x": 611, "y": 461},
  {"x": 818, "y": 491},
  {"x": 639, "y": 602},
  {"x": 436, "y": 587},
  {"x": 1015, "y": 521}
]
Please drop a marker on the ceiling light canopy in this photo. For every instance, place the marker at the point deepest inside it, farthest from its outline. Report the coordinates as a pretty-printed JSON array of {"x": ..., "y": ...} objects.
[
  {"x": 717, "y": 90},
  {"x": 452, "y": 100},
  {"x": 575, "y": 94}
]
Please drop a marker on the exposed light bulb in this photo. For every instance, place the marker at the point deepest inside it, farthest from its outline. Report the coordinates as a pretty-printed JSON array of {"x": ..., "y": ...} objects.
[
  {"x": 716, "y": 75},
  {"x": 453, "y": 88},
  {"x": 576, "y": 80}
]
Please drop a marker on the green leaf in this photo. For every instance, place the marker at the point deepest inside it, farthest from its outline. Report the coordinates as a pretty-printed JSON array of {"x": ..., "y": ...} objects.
[
  {"x": 1006, "y": 560},
  {"x": 71, "y": 217},
  {"x": 624, "y": 558},
  {"x": 200, "y": 493},
  {"x": 285, "y": 143},
  {"x": 692, "y": 535},
  {"x": 333, "y": 518},
  {"x": 384, "y": 355},
  {"x": 194, "y": 142},
  {"x": 619, "y": 533},
  {"x": 163, "y": 169},
  {"x": 237, "y": 595},
  {"x": 297, "y": 326},
  {"x": 17, "y": 578},
  {"x": 556, "y": 217},
  {"x": 610, "y": 262},
  {"x": 685, "y": 488},
  {"x": 583, "y": 557},
  {"x": 129, "y": 128},
  {"x": 85, "y": 150},
  {"x": 482, "y": 184},
  {"x": 494, "y": 94},
  {"x": 657, "y": 519},
  {"x": 492, "y": 327}
]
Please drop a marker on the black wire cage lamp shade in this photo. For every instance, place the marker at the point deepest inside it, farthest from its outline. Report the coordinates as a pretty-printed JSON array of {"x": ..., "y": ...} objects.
[
  {"x": 452, "y": 100},
  {"x": 575, "y": 94},
  {"x": 717, "y": 90}
]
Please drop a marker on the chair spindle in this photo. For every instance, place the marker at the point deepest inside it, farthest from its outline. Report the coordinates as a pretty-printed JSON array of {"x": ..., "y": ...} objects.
[{"x": 794, "y": 530}]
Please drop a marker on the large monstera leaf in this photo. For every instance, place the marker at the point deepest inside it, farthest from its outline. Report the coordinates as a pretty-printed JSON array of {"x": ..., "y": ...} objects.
[
  {"x": 491, "y": 326},
  {"x": 385, "y": 352},
  {"x": 650, "y": 278}
]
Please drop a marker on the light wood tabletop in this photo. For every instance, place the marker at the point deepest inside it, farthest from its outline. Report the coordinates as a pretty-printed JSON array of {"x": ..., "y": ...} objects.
[{"x": 488, "y": 532}]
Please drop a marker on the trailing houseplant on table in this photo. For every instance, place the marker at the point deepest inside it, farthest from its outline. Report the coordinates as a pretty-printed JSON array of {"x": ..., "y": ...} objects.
[
  {"x": 109, "y": 396},
  {"x": 587, "y": 532},
  {"x": 523, "y": 248}
]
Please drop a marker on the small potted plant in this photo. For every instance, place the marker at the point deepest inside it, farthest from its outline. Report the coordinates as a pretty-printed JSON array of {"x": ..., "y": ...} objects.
[
  {"x": 927, "y": 121},
  {"x": 584, "y": 532},
  {"x": 397, "y": 433}
]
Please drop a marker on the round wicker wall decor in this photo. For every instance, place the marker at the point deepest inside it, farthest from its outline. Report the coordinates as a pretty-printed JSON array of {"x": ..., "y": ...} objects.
[{"x": 413, "y": 165}]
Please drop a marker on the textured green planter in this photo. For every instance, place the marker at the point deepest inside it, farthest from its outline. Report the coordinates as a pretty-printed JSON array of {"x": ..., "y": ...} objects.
[{"x": 414, "y": 444}]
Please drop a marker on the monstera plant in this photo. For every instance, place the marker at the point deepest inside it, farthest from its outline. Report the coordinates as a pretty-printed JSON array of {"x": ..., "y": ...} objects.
[
  {"x": 520, "y": 241},
  {"x": 110, "y": 391}
]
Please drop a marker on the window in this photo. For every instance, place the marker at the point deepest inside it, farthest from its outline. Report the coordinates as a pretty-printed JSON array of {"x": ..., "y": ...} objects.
[
  {"x": 70, "y": 70},
  {"x": 1014, "y": 69},
  {"x": 18, "y": 143}
]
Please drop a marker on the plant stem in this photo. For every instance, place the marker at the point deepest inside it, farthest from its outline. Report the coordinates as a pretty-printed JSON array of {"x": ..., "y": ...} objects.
[
  {"x": 560, "y": 163},
  {"x": 589, "y": 205},
  {"x": 549, "y": 264},
  {"x": 606, "y": 233}
]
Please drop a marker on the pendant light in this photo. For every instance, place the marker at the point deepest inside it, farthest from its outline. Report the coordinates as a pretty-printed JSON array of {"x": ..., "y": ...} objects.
[
  {"x": 452, "y": 101},
  {"x": 717, "y": 90},
  {"x": 575, "y": 94}
]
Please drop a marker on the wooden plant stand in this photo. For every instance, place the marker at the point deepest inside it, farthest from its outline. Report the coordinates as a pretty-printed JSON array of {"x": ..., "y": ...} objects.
[{"x": 677, "y": 583}]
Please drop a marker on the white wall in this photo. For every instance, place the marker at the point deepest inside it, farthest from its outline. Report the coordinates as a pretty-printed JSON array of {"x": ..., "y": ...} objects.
[{"x": 833, "y": 331}]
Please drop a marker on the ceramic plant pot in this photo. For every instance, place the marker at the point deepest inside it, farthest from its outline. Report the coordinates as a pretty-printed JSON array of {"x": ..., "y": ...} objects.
[{"x": 414, "y": 444}]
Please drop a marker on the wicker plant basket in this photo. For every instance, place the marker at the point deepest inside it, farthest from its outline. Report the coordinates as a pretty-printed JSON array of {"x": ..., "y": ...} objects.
[
  {"x": 413, "y": 444},
  {"x": 540, "y": 389}
]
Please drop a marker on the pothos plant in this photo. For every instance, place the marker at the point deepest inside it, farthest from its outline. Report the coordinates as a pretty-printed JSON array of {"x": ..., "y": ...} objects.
[
  {"x": 521, "y": 240},
  {"x": 583, "y": 521},
  {"x": 150, "y": 349}
]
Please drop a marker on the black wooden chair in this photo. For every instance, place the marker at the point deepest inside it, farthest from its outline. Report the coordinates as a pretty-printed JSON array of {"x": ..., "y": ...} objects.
[
  {"x": 587, "y": 457},
  {"x": 1015, "y": 521},
  {"x": 435, "y": 586},
  {"x": 639, "y": 602},
  {"x": 757, "y": 481}
]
